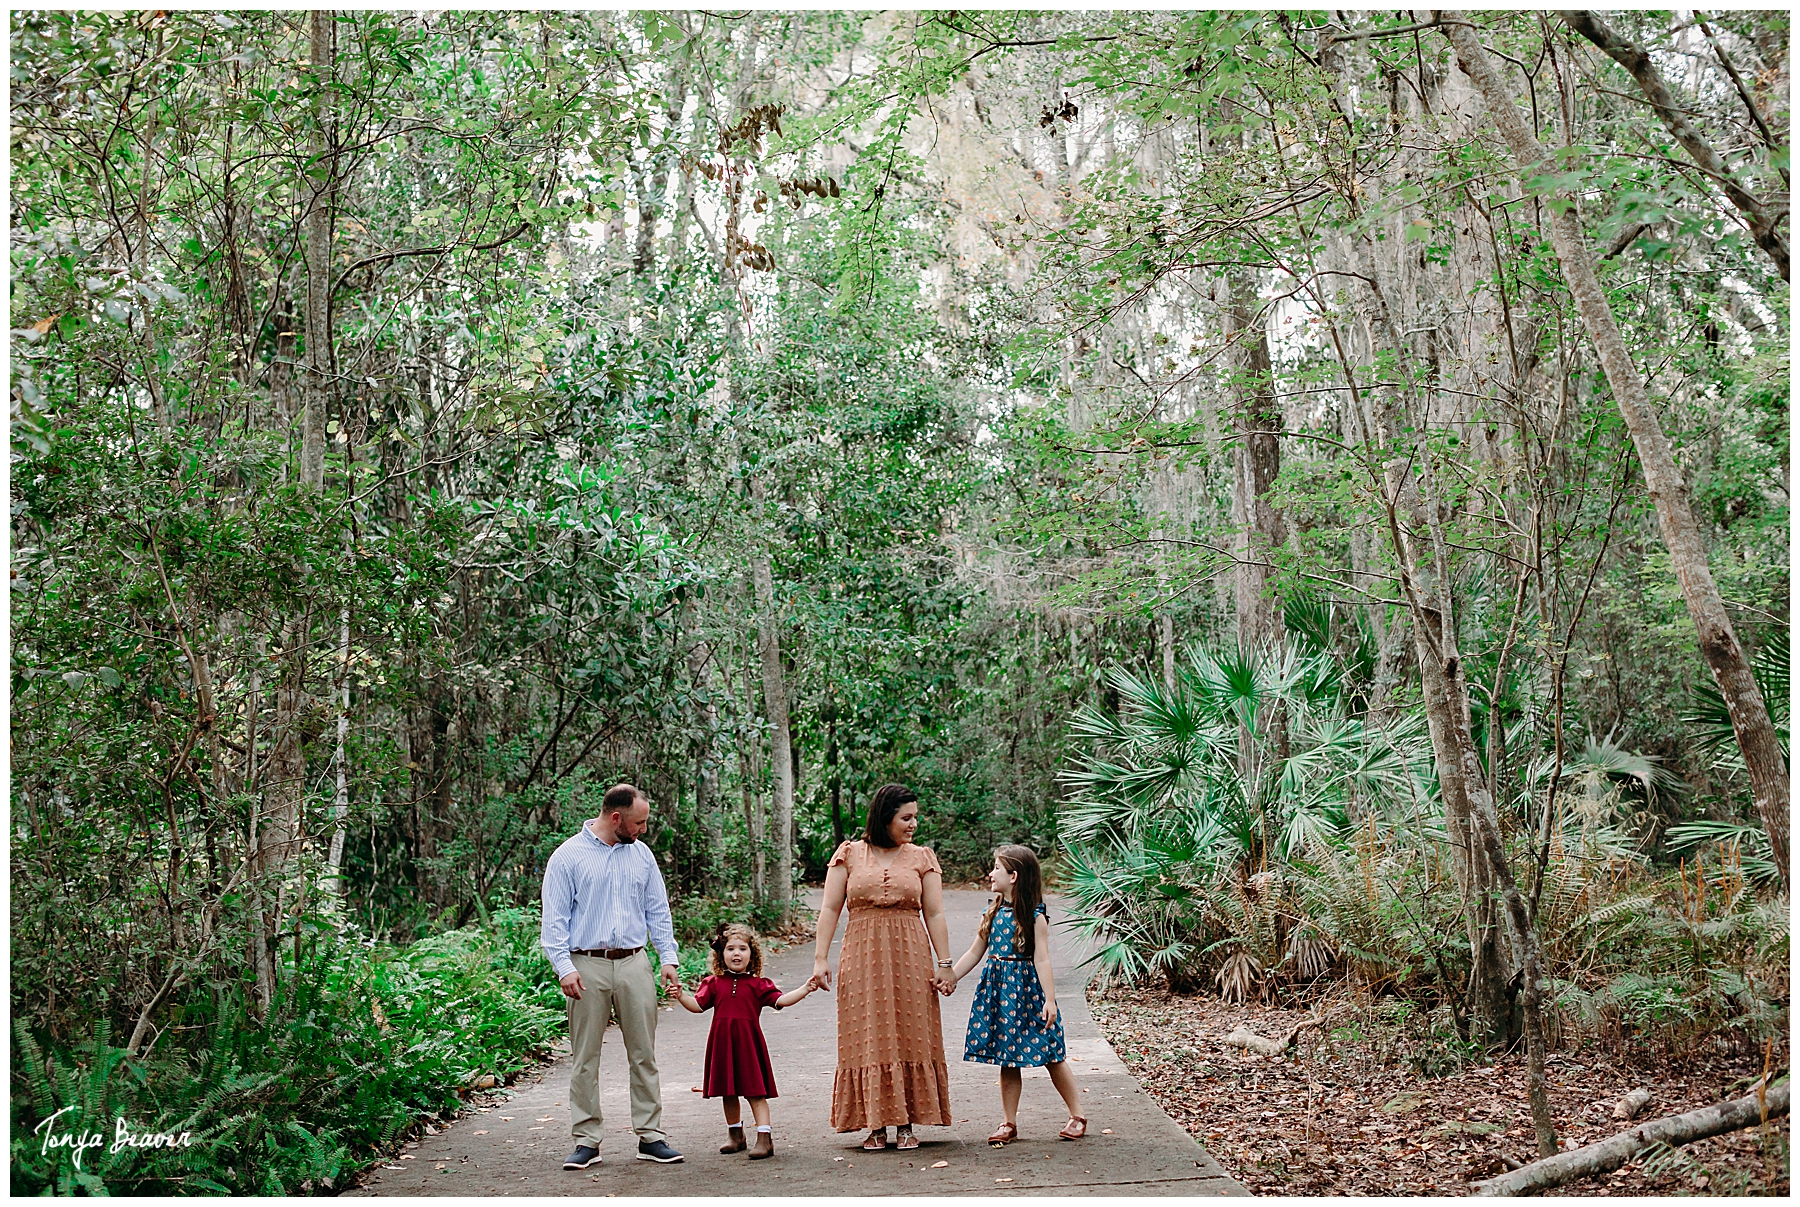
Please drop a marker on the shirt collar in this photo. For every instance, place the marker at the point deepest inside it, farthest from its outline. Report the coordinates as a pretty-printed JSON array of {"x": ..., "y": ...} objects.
[{"x": 598, "y": 841}]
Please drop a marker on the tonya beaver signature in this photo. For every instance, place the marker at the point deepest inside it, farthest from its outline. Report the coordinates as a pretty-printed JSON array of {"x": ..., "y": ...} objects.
[{"x": 123, "y": 1138}]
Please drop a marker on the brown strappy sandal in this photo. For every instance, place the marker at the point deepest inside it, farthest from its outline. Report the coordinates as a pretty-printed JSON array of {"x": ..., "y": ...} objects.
[
  {"x": 1005, "y": 1134},
  {"x": 1074, "y": 1129}
]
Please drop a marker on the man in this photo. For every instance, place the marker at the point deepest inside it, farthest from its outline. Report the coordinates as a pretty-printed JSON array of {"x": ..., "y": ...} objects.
[{"x": 603, "y": 896}]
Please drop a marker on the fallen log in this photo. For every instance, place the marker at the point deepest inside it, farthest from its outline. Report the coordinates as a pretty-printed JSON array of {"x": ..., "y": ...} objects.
[
  {"x": 1610, "y": 1154},
  {"x": 1631, "y": 1105},
  {"x": 1243, "y": 1037}
]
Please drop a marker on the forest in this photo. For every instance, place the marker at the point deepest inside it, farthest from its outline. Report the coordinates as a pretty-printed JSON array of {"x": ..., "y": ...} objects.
[{"x": 1318, "y": 478}]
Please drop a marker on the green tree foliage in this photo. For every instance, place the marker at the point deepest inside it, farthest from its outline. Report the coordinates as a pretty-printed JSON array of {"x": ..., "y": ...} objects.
[{"x": 969, "y": 326}]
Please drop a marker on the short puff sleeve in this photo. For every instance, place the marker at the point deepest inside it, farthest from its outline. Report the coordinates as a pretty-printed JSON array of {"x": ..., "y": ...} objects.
[
  {"x": 841, "y": 856},
  {"x": 928, "y": 861},
  {"x": 767, "y": 992},
  {"x": 708, "y": 993}
]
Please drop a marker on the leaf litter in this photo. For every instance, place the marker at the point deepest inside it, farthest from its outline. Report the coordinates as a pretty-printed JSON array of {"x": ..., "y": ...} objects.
[{"x": 1339, "y": 1115}]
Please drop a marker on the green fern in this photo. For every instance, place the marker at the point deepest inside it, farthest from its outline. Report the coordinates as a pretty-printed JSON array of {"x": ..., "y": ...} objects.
[{"x": 320, "y": 1090}]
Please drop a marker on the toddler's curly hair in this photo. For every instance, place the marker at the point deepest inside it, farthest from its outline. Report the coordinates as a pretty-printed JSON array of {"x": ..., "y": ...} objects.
[{"x": 734, "y": 930}]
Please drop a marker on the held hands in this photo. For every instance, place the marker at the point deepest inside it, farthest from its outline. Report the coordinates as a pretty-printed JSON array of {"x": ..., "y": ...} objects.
[
  {"x": 670, "y": 979},
  {"x": 942, "y": 979}
]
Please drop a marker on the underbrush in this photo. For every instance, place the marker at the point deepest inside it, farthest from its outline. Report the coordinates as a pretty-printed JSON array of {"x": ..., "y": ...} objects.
[
  {"x": 697, "y": 917},
  {"x": 362, "y": 1044},
  {"x": 1686, "y": 960}
]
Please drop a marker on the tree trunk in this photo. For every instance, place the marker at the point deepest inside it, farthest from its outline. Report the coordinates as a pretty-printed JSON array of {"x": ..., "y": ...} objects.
[
  {"x": 1163, "y": 489},
  {"x": 283, "y": 801},
  {"x": 1610, "y": 1154},
  {"x": 431, "y": 757},
  {"x": 653, "y": 182},
  {"x": 1436, "y": 625},
  {"x": 836, "y": 778},
  {"x": 321, "y": 177},
  {"x": 749, "y": 763},
  {"x": 1256, "y": 461},
  {"x": 775, "y": 706},
  {"x": 1165, "y": 634},
  {"x": 1425, "y": 578},
  {"x": 706, "y": 799},
  {"x": 1490, "y": 1002},
  {"x": 147, "y": 191},
  {"x": 1532, "y": 995},
  {"x": 340, "y": 808},
  {"x": 1718, "y": 641}
]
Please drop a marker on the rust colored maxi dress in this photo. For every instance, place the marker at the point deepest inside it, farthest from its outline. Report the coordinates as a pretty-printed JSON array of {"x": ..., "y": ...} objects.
[{"x": 890, "y": 1066}]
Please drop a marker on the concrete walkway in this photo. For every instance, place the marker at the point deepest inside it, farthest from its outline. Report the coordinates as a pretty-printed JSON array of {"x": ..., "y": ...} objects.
[{"x": 1131, "y": 1148}]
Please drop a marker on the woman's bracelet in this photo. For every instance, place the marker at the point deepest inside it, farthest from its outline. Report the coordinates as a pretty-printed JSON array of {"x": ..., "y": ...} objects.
[{"x": 946, "y": 963}]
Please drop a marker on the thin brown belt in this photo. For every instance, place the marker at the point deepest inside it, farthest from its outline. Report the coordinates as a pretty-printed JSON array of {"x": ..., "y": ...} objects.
[{"x": 606, "y": 953}]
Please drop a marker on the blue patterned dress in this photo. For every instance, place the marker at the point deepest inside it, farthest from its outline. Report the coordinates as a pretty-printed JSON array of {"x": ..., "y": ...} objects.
[{"x": 1006, "y": 1020}]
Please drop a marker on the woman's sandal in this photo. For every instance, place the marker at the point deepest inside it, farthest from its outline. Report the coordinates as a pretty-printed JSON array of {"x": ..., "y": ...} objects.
[
  {"x": 876, "y": 1142},
  {"x": 1074, "y": 1129},
  {"x": 1006, "y": 1133},
  {"x": 904, "y": 1139}
]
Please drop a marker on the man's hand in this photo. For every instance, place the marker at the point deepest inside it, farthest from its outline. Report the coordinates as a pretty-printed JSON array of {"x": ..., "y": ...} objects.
[
  {"x": 671, "y": 981},
  {"x": 572, "y": 986}
]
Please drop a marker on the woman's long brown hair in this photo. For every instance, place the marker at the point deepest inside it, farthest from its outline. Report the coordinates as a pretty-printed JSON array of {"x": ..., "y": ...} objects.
[{"x": 1028, "y": 891}]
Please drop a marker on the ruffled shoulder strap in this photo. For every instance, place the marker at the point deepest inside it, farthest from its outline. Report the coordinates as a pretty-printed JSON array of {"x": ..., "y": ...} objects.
[{"x": 842, "y": 855}]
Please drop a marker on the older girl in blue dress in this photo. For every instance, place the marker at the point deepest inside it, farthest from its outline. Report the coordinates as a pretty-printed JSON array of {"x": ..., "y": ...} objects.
[{"x": 1013, "y": 1021}]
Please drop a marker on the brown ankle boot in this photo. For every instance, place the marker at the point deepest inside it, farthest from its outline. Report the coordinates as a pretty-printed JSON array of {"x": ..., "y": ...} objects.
[
  {"x": 734, "y": 1138},
  {"x": 764, "y": 1146}
]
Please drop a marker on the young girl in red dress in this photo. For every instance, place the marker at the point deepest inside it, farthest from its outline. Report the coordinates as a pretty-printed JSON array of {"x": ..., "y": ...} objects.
[{"x": 737, "y": 1057}]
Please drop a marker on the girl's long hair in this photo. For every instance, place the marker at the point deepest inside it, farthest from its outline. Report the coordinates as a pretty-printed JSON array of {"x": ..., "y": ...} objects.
[
  {"x": 1028, "y": 891},
  {"x": 734, "y": 930}
]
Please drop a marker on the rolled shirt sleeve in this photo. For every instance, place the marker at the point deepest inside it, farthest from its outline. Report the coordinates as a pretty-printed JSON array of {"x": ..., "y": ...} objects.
[
  {"x": 656, "y": 914},
  {"x": 559, "y": 906}
]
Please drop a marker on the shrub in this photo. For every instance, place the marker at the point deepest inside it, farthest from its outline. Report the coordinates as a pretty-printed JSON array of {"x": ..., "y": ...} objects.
[{"x": 360, "y": 1043}]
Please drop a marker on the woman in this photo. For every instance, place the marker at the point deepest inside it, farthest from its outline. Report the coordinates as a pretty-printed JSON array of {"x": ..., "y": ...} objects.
[{"x": 890, "y": 1067}]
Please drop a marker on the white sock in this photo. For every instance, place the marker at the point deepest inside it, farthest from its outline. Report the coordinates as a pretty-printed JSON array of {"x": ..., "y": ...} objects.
[{"x": 762, "y": 1129}]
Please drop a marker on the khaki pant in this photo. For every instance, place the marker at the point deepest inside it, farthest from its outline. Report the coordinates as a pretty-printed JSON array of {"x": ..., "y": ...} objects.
[{"x": 628, "y": 985}]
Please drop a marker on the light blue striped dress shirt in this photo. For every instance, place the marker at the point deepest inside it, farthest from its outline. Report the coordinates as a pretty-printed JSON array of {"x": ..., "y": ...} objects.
[{"x": 603, "y": 896}]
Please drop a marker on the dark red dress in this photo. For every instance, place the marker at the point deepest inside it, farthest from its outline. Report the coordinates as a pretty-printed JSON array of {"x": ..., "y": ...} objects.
[{"x": 737, "y": 1057}]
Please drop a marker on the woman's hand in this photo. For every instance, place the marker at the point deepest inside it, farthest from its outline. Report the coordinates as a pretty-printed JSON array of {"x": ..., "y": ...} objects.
[
  {"x": 836, "y": 878},
  {"x": 1049, "y": 1011},
  {"x": 944, "y": 981}
]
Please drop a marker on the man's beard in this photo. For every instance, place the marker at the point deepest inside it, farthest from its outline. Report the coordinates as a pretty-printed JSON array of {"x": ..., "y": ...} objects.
[{"x": 624, "y": 837}]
